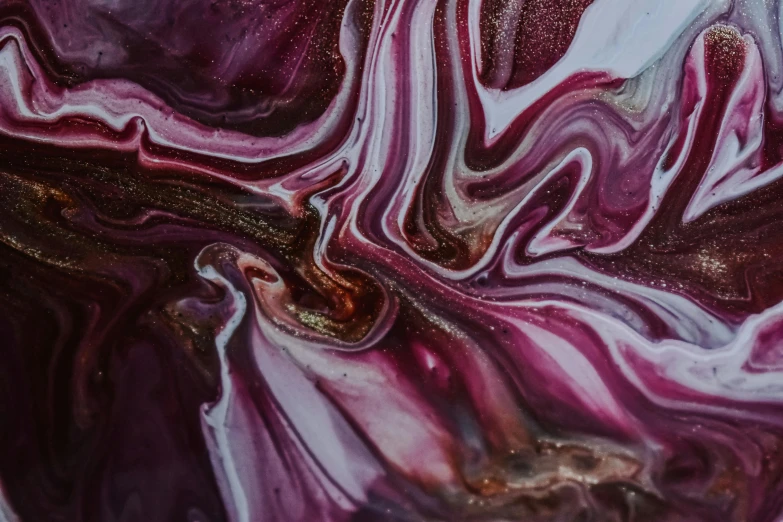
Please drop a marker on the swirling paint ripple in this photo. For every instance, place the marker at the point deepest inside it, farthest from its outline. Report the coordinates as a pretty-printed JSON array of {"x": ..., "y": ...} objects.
[{"x": 391, "y": 260}]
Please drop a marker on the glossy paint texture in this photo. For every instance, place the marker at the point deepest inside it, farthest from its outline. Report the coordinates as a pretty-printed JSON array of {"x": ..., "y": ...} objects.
[{"x": 391, "y": 260}]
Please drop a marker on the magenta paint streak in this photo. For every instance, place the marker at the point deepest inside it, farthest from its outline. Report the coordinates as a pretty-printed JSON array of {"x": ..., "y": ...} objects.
[{"x": 386, "y": 260}]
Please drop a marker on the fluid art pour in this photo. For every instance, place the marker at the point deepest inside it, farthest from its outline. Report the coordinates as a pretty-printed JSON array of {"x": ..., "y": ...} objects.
[{"x": 391, "y": 260}]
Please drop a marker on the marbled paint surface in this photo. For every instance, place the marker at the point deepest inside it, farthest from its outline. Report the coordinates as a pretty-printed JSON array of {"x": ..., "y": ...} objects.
[{"x": 391, "y": 260}]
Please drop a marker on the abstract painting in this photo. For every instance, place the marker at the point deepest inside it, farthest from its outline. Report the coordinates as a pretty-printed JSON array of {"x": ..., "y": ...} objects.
[{"x": 391, "y": 260}]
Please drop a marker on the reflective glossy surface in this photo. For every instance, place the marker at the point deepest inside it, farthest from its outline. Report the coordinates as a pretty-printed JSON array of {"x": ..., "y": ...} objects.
[{"x": 391, "y": 260}]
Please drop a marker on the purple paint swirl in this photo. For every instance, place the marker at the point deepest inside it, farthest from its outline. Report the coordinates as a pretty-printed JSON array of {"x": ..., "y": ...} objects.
[{"x": 386, "y": 260}]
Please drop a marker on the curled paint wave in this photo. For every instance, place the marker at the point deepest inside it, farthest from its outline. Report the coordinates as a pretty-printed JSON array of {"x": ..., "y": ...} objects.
[{"x": 391, "y": 260}]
